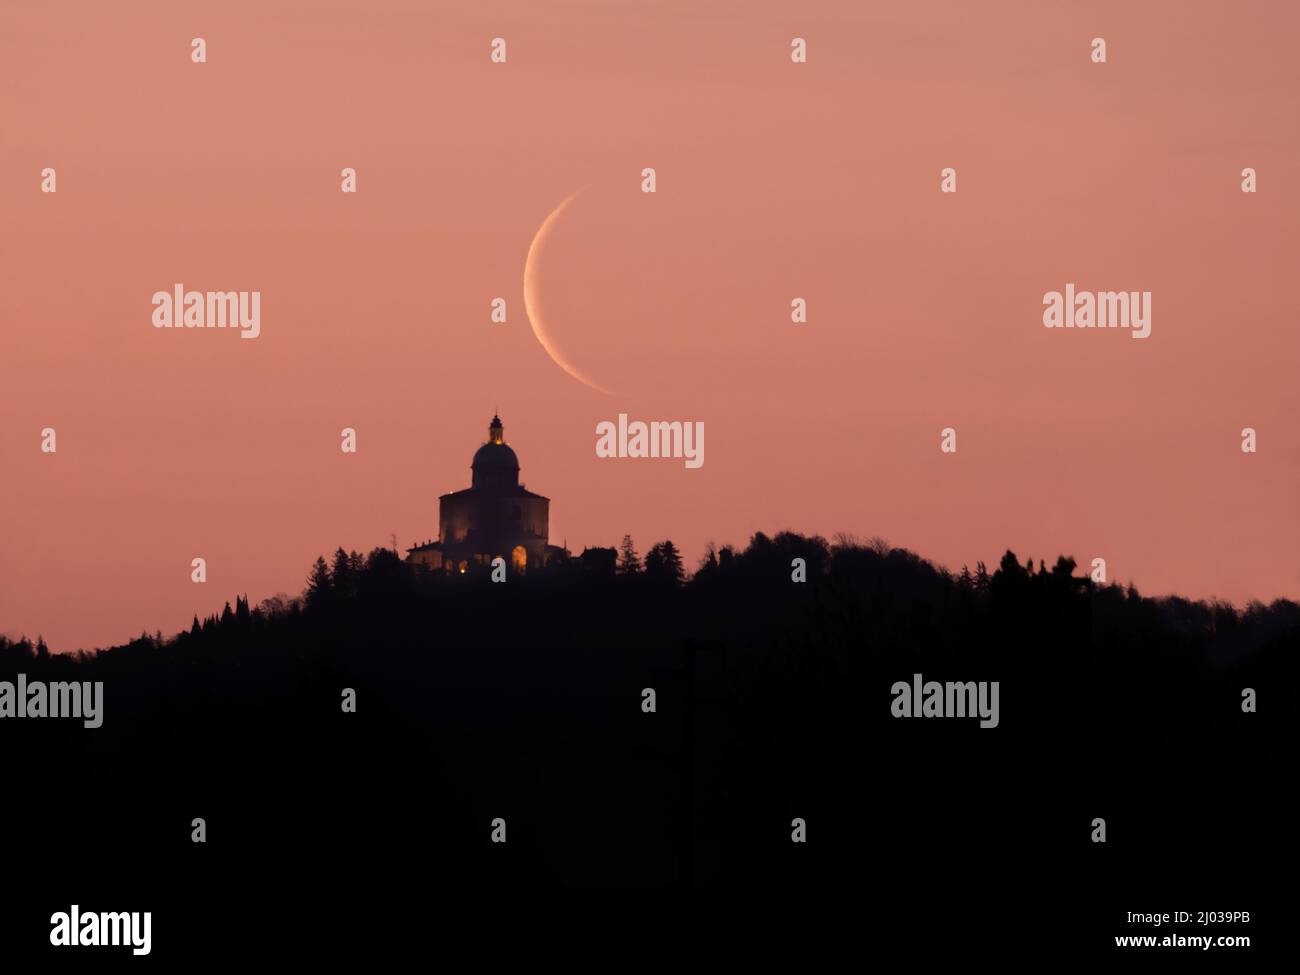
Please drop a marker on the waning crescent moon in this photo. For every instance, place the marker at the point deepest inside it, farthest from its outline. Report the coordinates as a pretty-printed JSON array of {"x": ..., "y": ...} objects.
[{"x": 531, "y": 305}]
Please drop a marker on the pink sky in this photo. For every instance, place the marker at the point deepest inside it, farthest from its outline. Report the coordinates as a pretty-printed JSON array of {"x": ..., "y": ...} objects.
[{"x": 775, "y": 180}]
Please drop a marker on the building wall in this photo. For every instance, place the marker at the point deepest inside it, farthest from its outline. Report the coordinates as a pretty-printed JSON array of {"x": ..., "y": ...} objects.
[
  {"x": 455, "y": 516},
  {"x": 494, "y": 524},
  {"x": 431, "y": 558}
]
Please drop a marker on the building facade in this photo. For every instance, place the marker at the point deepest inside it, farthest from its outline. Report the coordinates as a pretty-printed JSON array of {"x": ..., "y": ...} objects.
[{"x": 495, "y": 517}]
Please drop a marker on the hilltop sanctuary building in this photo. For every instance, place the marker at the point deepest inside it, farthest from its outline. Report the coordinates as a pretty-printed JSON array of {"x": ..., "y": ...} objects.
[{"x": 494, "y": 517}]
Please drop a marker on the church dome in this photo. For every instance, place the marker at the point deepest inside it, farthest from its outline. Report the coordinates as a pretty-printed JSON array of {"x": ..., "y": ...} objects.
[
  {"x": 495, "y": 456},
  {"x": 495, "y": 464}
]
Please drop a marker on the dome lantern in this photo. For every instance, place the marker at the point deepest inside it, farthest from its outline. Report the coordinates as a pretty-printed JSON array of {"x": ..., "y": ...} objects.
[{"x": 495, "y": 466}]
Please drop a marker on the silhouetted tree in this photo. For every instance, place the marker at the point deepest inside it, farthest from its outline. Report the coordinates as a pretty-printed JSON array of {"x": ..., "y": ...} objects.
[
  {"x": 629, "y": 563},
  {"x": 320, "y": 587},
  {"x": 1009, "y": 568},
  {"x": 663, "y": 564},
  {"x": 345, "y": 575},
  {"x": 276, "y": 605},
  {"x": 708, "y": 566}
]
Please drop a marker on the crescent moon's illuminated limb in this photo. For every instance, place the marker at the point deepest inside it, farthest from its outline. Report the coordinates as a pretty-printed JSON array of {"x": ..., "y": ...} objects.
[{"x": 531, "y": 304}]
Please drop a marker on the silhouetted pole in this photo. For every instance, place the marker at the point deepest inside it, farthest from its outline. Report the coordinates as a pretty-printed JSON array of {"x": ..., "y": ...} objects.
[{"x": 688, "y": 762}]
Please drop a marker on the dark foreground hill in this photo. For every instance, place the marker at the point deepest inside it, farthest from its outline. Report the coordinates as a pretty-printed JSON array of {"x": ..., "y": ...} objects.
[{"x": 524, "y": 701}]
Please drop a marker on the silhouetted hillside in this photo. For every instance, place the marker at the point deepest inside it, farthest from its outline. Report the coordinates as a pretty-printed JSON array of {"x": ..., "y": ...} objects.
[{"x": 523, "y": 700}]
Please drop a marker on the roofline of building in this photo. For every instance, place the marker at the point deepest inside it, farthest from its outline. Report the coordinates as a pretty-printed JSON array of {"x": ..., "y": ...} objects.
[{"x": 515, "y": 492}]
